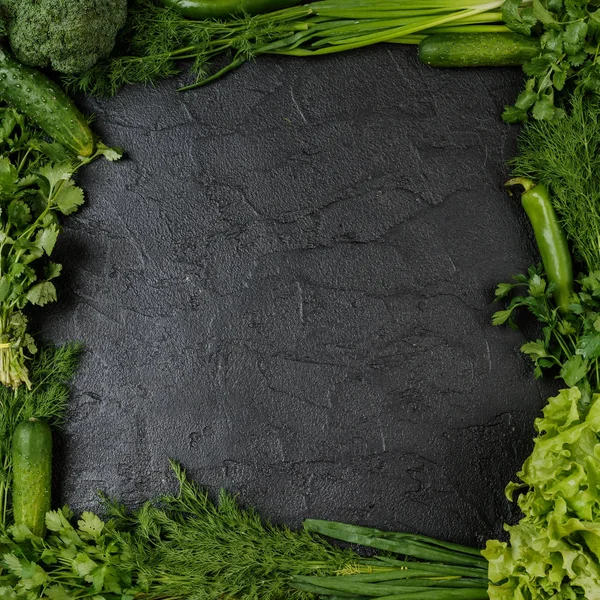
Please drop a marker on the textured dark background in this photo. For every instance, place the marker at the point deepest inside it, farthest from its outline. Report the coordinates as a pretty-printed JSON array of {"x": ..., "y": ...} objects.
[{"x": 287, "y": 287}]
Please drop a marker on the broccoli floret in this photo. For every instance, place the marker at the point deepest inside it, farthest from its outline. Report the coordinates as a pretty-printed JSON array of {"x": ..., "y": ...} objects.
[{"x": 69, "y": 36}]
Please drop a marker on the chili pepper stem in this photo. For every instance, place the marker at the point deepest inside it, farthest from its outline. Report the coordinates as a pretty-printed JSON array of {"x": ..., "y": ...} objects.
[{"x": 525, "y": 183}]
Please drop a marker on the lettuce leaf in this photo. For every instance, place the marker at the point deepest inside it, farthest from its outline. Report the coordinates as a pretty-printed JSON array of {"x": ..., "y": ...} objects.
[{"x": 554, "y": 551}]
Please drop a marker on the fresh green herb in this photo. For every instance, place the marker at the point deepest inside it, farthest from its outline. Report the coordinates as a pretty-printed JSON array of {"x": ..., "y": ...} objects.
[
  {"x": 73, "y": 562},
  {"x": 185, "y": 546},
  {"x": 565, "y": 155},
  {"x": 156, "y": 38},
  {"x": 569, "y": 345},
  {"x": 36, "y": 186},
  {"x": 569, "y": 58},
  {"x": 554, "y": 550}
]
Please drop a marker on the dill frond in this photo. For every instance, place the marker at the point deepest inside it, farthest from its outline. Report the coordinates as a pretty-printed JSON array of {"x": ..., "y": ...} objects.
[
  {"x": 564, "y": 154},
  {"x": 186, "y": 546}
]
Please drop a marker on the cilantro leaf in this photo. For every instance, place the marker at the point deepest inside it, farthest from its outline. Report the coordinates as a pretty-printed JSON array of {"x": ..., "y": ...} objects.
[
  {"x": 69, "y": 197},
  {"x": 501, "y": 316},
  {"x": 7, "y": 593},
  {"x": 538, "y": 66},
  {"x": 519, "y": 21},
  {"x": 19, "y": 214},
  {"x": 90, "y": 524},
  {"x": 54, "y": 151},
  {"x": 503, "y": 289},
  {"x": 42, "y": 293},
  {"x": 8, "y": 177},
  {"x": 512, "y": 114},
  {"x": 574, "y": 370},
  {"x": 589, "y": 346},
  {"x": 574, "y": 36},
  {"x": 13, "y": 564},
  {"x": 535, "y": 350},
  {"x": 544, "y": 109},
  {"x": 83, "y": 564},
  {"x": 57, "y": 592},
  {"x": 7, "y": 124},
  {"x": 111, "y": 154},
  {"x": 537, "y": 286},
  {"x": 5, "y": 288},
  {"x": 32, "y": 575},
  {"x": 526, "y": 99},
  {"x": 46, "y": 238},
  {"x": 56, "y": 172},
  {"x": 542, "y": 14},
  {"x": 52, "y": 270},
  {"x": 559, "y": 79}
]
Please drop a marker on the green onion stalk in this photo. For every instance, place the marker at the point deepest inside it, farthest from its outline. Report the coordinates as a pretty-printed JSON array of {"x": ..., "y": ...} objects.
[
  {"x": 156, "y": 38},
  {"x": 187, "y": 546}
]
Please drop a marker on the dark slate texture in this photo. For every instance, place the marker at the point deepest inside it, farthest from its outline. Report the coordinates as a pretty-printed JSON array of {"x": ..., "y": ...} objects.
[{"x": 287, "y": 287}]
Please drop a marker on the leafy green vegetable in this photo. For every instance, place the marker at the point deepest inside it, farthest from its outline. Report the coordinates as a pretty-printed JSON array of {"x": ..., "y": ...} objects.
[
  {"x": 156, "y": 38},
  {"x": 72, "y": 562},
  {"x": 186, "y": 546},
  {"x": 68, "y": 35},
  {"x": 554, "y": 550},
  {"x": 570, "y": 343},
  {"x": 569, "y": 54},
  {"x": 36, "y": 188}
]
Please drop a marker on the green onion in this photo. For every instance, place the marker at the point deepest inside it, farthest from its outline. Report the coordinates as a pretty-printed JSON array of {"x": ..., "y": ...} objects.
[{"x": 156, "y": 38}]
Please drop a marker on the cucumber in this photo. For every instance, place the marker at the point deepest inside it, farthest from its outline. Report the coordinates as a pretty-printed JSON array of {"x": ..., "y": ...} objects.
[
  {"x": 46, "y": 104},
  {"x": 478, "y": 49},
  {"x": 32, "y": 474}
]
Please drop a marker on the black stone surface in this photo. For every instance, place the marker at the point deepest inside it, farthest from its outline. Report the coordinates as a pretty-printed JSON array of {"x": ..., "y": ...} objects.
[{"x": 287, "y": 287}]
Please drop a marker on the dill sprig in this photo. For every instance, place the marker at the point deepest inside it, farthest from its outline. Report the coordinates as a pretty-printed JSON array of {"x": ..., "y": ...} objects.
[
  {"x": 564, "y": 154},
  {"x": 186, "y": 546},
  {"x": 50, "y": 370},
  {"x": 155, "y": 38}
]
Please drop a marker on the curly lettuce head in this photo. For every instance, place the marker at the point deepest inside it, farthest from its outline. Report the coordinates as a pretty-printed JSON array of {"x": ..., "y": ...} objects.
[{"x": 554, "y": 551}]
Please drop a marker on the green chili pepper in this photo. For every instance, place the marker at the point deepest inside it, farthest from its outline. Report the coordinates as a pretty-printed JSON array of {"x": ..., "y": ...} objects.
[
  {"x": 550, "y": 238},
  {"x": 223, "y": 9}
]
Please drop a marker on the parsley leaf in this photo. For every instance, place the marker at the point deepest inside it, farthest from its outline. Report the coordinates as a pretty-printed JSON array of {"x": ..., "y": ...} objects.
[
  {"x": 69, "y": 197},
  {"x": 36, "y": 190},
  {"x": 569, "y": 60},
  {"x": 42, "y": 293}
]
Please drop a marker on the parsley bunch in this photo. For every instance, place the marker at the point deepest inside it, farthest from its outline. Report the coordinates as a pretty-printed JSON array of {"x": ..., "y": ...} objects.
[
  {"x": 72, "y": 562},
  {"x": 36, "y": 188},
  {"x": 569, "y": 32},
  {"x": 570, "y": 343}
]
